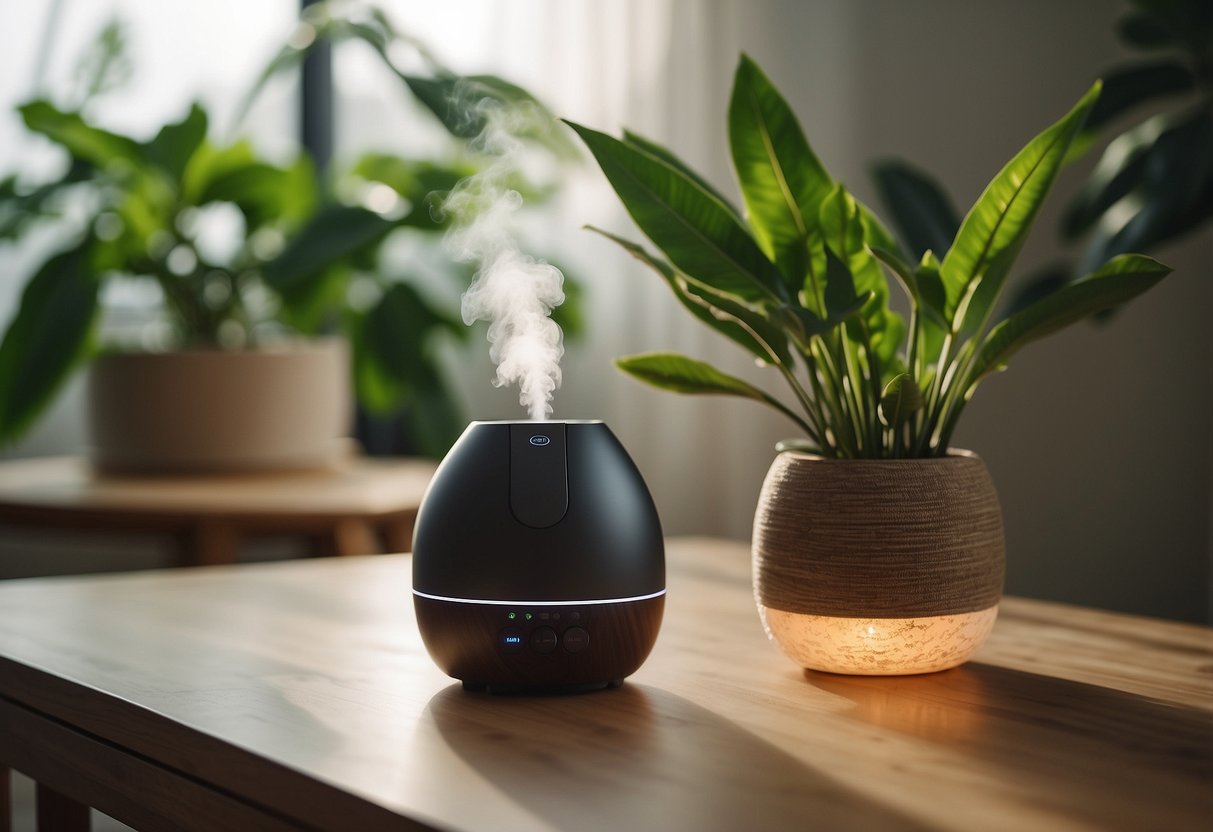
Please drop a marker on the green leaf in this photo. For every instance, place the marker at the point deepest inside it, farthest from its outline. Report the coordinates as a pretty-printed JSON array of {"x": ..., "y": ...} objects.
[
  {"x": 667, "y": 156},
  {"x": 845, "y": 233},
  {"x": 680, "y": 374},
  {"x": 264, "y": 193},
  {"x": 83, "y": 141},
  {"x": 992, "y": 233},
  {"x": 781, "y": 179},
  {"x": 175, "y": 144},
  {"x": 719, "y": 313},
  {"x": 921, "y": 210},
  {"x": 698, "y": 234},
  {"x": 46, "y": 339},
  {"x": 463, "y": 104},
  {"x": 1120, "y": 280},
  {"x": 900, "y": 400},
  {"x": 335, "y": 233}
]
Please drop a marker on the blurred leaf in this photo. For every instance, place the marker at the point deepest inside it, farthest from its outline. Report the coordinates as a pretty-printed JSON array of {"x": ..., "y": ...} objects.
[
  {"x": 1172, "y": 195},
  {"x": 781, "y": 179},
  {"x": 921, "y": 210},
  {"x": 104, "y": 66},
  {"x": 1120, "y": 280},
  {"x": 992, "y": 233},
  {"x": 334, "y": 233},
  {"x": 173, "y": 146},
  {"x": 1144, "y": 31},
  {"x": 46, "y": 339},
  {"x": 1127, "y": 87},
  {"x": 84, "y": 142},
  {"x": 700, "y": 236},
  {"x": 264, "y": 193},
  {"x": 1117, "y": 173}
]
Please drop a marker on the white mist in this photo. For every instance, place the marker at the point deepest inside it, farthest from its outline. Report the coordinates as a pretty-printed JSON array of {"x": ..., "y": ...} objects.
[{"x": 514, "y": 292}]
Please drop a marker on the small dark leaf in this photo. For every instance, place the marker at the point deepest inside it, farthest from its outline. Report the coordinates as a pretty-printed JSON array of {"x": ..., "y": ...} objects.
[
  {"x": 922, "y": 211},
  {"x": 899, "y": 401}
]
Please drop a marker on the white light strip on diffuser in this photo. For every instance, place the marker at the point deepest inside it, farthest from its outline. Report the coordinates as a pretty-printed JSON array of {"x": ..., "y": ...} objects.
[{"x": 538, "y": 603}]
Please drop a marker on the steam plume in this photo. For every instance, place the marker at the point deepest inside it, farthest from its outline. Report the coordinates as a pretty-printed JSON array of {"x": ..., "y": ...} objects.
[{"x": 514, "y": 292}]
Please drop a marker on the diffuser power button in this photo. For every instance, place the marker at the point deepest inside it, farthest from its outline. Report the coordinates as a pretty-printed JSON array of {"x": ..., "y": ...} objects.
[{"x": 576, "y": 639}]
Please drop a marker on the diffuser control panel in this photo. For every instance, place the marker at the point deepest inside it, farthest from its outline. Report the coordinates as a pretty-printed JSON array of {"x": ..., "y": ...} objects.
[
  {"x": 539, "y": 481},
  {"x": 544, "y": 632}
]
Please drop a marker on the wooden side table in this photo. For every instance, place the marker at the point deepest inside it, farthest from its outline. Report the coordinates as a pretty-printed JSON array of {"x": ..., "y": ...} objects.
[{"x": 358, "y": 505}]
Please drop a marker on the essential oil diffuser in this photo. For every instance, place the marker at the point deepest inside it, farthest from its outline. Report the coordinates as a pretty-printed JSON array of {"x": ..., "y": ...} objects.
[{"x": 538, "y": 559}]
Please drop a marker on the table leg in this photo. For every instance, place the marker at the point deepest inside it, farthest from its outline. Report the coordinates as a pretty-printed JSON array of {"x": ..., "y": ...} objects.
[
  {"x": 214, "y": 542},
  {"x": 6, "y": 799},
  {"x": 59, "y": 813},
  {"x": 352, "y": 536},
  {"x": 398, "y": 536}
]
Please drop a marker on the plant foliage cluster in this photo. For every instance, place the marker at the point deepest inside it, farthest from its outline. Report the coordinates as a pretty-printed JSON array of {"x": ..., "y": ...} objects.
[
  {"x": 801, "y": 279},
  {"x": 307, "y": 258}
]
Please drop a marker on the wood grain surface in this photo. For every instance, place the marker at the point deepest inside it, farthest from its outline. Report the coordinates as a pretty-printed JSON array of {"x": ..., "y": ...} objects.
[
  {"x": 356, "y": 505},
  {"x": 302, "y": 689}
]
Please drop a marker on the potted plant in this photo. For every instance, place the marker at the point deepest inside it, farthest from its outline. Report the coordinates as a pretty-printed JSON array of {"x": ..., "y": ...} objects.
[
  {"x": 878, "y": 548},
  {"x": 269, "y": 277}
]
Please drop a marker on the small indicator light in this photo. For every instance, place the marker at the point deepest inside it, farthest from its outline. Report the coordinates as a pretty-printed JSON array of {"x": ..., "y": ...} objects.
[
  {"x": 529, "y": 616},
  {"x": 512, "y": 616},
  {"x": 539, "y": 440}
]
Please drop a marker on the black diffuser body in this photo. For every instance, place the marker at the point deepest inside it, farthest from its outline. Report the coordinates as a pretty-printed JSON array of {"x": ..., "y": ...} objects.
[{"x": 538, "y": 559}]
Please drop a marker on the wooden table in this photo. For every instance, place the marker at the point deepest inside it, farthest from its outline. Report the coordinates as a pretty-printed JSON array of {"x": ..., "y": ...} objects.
[
  {"x": 357, "y": 505},
  {"x": 298, "y": 695}
]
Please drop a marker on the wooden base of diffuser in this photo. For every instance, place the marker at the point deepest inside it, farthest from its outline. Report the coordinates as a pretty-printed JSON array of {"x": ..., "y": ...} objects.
[{"x": 539, "y": 646}]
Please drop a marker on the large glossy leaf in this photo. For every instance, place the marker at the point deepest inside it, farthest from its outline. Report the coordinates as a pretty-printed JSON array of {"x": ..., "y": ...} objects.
[
  {"x": 994, "y": 230},
  {"x": 921, "y": 210},
  {"x": 83, "y": 141},
  {"x": 1122, "y": 279},
  {"x": 335, "y": 233},
  {"x": 45, "y": 340},
  {"x": 173, "y": 146},
  {"x": 781, "y": 179},
  {"x": 679, "y": 374},
  {"x": 699, "y": 235},
  {"x": 667, "y": 156},
  {"x": 708, "y": 308}
]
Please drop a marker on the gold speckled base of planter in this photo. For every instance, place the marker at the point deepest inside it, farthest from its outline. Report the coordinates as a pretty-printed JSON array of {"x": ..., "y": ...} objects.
[{"x": 878, "y": 646}]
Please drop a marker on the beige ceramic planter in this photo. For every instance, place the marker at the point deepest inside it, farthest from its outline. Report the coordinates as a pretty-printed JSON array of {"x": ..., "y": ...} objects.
[
  {"x": 878, "y": 567},
  {"x": 271, "y": 408}
]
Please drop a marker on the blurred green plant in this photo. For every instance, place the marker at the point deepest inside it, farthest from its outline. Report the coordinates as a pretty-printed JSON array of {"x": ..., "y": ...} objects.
[
  {"x": 1153, "y": 183},
  {"x": 801, "y": 280},
  {"x": 305, "y": 250}
]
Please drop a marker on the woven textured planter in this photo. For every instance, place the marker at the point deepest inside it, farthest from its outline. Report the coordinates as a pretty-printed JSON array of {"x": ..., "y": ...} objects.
[{"x": 878, "y": 567}]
